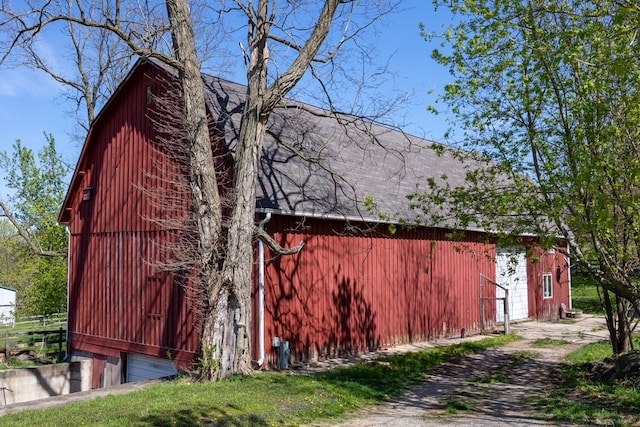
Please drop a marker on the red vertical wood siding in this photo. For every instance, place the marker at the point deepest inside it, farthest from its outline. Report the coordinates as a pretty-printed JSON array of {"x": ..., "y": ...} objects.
[
  {"x": 347, "y": 293},
  {"x": 540, "y": 262},
  {"x": 120, "y": 297}
]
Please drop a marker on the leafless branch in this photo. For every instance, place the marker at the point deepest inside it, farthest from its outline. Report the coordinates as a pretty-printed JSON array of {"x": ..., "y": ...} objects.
[{"x": 275, "y": 246}]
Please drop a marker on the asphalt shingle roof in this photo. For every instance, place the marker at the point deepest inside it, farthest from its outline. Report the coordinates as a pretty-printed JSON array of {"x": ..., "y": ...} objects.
[{"x": 344, "y": 159}]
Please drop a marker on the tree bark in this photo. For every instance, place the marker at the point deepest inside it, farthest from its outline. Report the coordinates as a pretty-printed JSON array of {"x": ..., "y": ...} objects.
[
  {"x": 260, "y": 100},
  {"x": 203, "y": 181},
  {"x": 624, "y": 330},
  {"x": 226, "y": 331},
  {"x": 617, "y": 323},
  {"x": 235, "y": 339}
]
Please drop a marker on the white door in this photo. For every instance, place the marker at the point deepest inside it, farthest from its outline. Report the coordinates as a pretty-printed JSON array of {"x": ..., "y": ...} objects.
[
  {"x": 141, "y": 367},
  {"x": 511, "y": 270}
]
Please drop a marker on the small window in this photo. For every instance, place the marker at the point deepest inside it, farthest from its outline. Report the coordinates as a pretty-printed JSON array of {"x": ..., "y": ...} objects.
[
  {"x": 547, "y": 285},
  {"x": 551, "y": 250}
]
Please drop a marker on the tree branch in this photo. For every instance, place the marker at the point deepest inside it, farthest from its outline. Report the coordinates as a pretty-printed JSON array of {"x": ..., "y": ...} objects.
[
  {"x": 307, "y": 53},
  {"x": 275, "y": 246},
  {"x": 25, "y": 234}
]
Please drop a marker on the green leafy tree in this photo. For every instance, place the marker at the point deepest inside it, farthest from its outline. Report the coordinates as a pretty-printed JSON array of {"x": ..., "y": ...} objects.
[
  {"x": 547, "y": 96},
  {"x": 38, "y": 185},
  {"x": 12, "y": 273}
]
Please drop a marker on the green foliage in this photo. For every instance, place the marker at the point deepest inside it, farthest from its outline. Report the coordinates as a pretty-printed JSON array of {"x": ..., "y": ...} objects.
[
  {"x": 38, "y": 186},
  {"x": 547, "y": 104},
  {"x": 13, "y": 273},
  {"x": 38, "y": 182},
  {"x": 585, "y": 295},
  {"x": 46, "y": 293}
]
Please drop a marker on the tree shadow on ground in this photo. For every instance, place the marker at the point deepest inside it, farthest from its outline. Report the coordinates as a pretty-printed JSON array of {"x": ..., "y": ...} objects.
[{"x": 195, "y": 417}]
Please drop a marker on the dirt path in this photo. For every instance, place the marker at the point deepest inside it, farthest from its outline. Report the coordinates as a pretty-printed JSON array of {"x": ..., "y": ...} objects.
[{"x": 492, "y": 388}]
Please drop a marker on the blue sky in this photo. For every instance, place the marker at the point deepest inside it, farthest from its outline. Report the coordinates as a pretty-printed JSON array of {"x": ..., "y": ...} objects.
[{"x": 31, "y": 103}]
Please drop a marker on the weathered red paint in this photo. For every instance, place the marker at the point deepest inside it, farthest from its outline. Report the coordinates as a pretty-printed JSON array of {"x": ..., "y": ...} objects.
[
  {"x": 554, "y": 262},
  {"x": 121, "y": 297},
  {"x": 349, "y": 292}
]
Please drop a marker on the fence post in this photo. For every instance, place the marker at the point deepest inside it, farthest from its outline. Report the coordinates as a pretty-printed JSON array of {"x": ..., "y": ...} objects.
[
  {"x": 7, "y": 345},
  {"x": 482, "y": 328},
  {"x": 506, "y": 311},
  {"x": 60, "y": 344}
]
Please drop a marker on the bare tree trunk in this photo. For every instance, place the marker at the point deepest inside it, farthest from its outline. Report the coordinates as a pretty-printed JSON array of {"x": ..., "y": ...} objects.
[
  {"x": 239, "y": 253},
  {"x": 226, "y": 332},
  {"x": 204, "y": 186}
]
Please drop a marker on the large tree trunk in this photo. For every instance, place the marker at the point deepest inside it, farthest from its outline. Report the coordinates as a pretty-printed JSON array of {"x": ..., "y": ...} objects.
[
  {"x": 234, "y": 305},
  {"x": 623, "y": 336},
  {"x": 235, "y": 344},
  {"x": 204, "y": 186},
  {"x": 226, "y": 332}
]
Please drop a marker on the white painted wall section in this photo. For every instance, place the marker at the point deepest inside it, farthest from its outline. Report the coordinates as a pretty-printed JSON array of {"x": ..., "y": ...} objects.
[{"x": 511, "y": 270}]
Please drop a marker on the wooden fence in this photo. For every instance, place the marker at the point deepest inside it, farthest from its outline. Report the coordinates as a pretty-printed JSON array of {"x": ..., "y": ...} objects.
[
  {"x": 35, "y": 322},
  {"x": 47, "y": 342},
  {"x": 35, "y": 336}
]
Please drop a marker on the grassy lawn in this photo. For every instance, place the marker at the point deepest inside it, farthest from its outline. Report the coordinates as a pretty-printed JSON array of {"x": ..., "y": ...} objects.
[
  {"x": 584, "y": 295},
  {"x": 264, "y": 399},
  {"x": 579, "y": 399},
  {"x": 584, "y": 401}
]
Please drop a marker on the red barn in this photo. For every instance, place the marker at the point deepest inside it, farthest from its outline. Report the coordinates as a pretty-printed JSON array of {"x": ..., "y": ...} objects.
[{"x": 354, "y": 287}]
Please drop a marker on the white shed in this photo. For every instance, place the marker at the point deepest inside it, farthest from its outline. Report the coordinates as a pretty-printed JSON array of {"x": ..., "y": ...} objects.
[{"x": 7, "y": 305}]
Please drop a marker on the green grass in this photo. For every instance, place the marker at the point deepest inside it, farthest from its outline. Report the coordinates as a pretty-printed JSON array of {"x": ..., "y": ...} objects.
[
  {"x": 549, "y": 342},
  {"x": 596, "y": 351},
  {"x": 582, "y": 400},
  {"x": 520, "y": 357},
  {"x": 14, "y": 362},
  {"x": 264, "y": 399},
  {"x": 37, "y": 349},
  {"x": 590, "y": 352},
  {"x": 26, "y": 337},
  {"x": 36, "y": 323},
  {"x": 457, "y": 404},
  {"x": 584, "y": 295},
  {"x": 492, "y": 379}
]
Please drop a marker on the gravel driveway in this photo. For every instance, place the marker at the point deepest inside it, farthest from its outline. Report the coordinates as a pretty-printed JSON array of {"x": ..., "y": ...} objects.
[{"x": 469, "y": 383}]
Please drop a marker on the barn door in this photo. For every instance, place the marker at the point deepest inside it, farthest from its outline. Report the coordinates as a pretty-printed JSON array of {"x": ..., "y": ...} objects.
[
  {"x": 511, "y": 271},
  {"x": 141, "y": 367}
]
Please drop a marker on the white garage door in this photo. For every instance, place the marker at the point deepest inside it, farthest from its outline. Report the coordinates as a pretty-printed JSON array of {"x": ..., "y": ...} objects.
[
  {"x": 511, "y": 270},
  {"x": 141, "y": 367}
]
